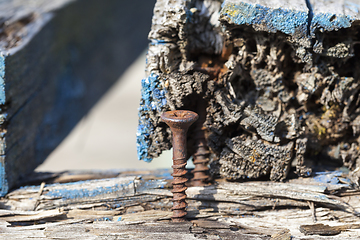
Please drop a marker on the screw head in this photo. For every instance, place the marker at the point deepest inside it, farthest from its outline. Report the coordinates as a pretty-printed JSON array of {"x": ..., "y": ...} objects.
[{"x": 179, "y": 118}]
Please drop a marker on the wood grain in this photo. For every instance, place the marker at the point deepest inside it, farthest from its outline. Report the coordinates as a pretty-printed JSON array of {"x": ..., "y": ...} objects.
[
  {"x": 139, "y": 206},
  {"x": 67, "y": 54}
]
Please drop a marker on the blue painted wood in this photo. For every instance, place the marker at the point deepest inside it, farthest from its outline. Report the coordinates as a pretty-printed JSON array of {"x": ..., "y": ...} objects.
[
  {"x": 292, "y": 18},
  {"x": 329, "y": 15},
  {"x": 57, "y": 71},
  {"x": 152, "y": 99},
  {"x": 273, "y": 17},
  {"x": 114, "y": 192}
]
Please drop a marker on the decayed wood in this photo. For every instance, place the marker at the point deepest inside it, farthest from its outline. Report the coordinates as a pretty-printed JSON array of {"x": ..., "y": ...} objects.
[
  {"x": 289, "y": 17},
  {"x": 321, "y": 229},
  {"x": 57, "y": 58},
  {"x": 333, "y": 15},
  {"x": 279, "y": 79},
  {"x": 35, "y": 216},
  {"x": 135, "y": 207},
  {"x": 114, "y": 192}
]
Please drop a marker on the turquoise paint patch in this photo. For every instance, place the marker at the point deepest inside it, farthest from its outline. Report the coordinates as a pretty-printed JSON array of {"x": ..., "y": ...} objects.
[
  {"x": 4, "y": 187},
  {"x": 152, "y": 100},
  {"x": 327, "y": 177},
  {"x": 330, "y": 22},
  {"x": 271, "y": 20},
  {"x": 330, "y": 178},
  {"x": 2, "y": 79},
  {"x": 156, "y": 42},
  {"x": 103, "y": 219},
  {"x": 86, "y": 193}
]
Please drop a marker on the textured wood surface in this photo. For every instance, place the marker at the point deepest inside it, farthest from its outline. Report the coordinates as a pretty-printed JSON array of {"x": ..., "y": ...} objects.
[
  {"x": 289, "y": 17},
  {"x": 58, "y": 58},
  {"x": 329, "y": 15},
  {"x": 279, "y": 80},
  {"x": 138, "y": 204}
]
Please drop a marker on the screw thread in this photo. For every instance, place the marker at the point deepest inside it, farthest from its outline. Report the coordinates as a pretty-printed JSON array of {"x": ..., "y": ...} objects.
[
  {"x": 179, "y": 188},
  {"x": 179, "y": 121},
  {"x": 201, "y": 160},
  {"x": 201, "y": 155}
]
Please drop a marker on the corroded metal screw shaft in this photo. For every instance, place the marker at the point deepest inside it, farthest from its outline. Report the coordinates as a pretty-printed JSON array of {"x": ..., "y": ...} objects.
[
  {"x": 179, "y": 122},
  {"x": 201, "y": 155}
]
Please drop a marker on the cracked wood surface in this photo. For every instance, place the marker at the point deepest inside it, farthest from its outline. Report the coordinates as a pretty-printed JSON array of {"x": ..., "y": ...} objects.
[
  {"x": 57, "y": 58},
  {"x": 279, "y": 79},
  {"x": 137, "y": 205}
]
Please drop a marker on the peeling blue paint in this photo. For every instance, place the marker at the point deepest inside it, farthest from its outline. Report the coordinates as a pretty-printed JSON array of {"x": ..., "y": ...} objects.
[
  {"x": 150, "y": 184},
  {"x": 156, "y": 42},
  {"x": 152, "y": 99},
  {"x": 63, "y": 190},
  {"x": 290, "y": 22},
  {"x": 2, "y": 79},
  {"x": 85, "y": 193},
  {"x": 103, "y": 219},
  {"x": 4, "y": 187},
  {"x": 329, "y": 22},
  {"x": 330, "y": 178}
]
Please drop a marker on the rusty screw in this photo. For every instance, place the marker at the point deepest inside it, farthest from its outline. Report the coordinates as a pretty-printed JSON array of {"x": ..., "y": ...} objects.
[
  {"x": 179, "y": 122},
  {"x": 201, "y": 155}
]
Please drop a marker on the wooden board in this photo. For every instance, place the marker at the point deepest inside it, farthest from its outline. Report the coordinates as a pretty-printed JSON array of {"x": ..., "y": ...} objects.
[
  {"x": 57, "y": 59},
  {"x": 137, "y": 205}
]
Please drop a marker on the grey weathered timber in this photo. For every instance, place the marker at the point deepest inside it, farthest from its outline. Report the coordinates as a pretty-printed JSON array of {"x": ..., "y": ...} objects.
[
  {"x": 137, "y": 205},
  {"x": 280, "y": 81},
  {"x": 57, "y": 59}
]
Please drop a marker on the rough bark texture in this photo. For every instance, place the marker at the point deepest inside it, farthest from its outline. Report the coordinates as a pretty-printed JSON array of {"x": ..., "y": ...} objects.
[{"x": 280, "y": 80}]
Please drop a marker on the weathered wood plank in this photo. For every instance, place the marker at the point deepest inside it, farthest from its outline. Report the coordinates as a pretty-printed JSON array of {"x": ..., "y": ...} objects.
[
  {"x": 65, "y": 56},
  {"x": 35, "y": 216},
  {"x": 115, "y": 192},
  {"x": 123, "y": 207}
]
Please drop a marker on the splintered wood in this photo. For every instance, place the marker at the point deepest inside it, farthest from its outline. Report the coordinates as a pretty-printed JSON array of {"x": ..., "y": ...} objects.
[
  {"x": 279, "y": 78},
  {"x": 137, "y": 205}
]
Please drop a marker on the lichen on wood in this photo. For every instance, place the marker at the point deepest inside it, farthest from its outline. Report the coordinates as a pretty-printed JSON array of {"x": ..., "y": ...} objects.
[{"x": 279, "y": 79}]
